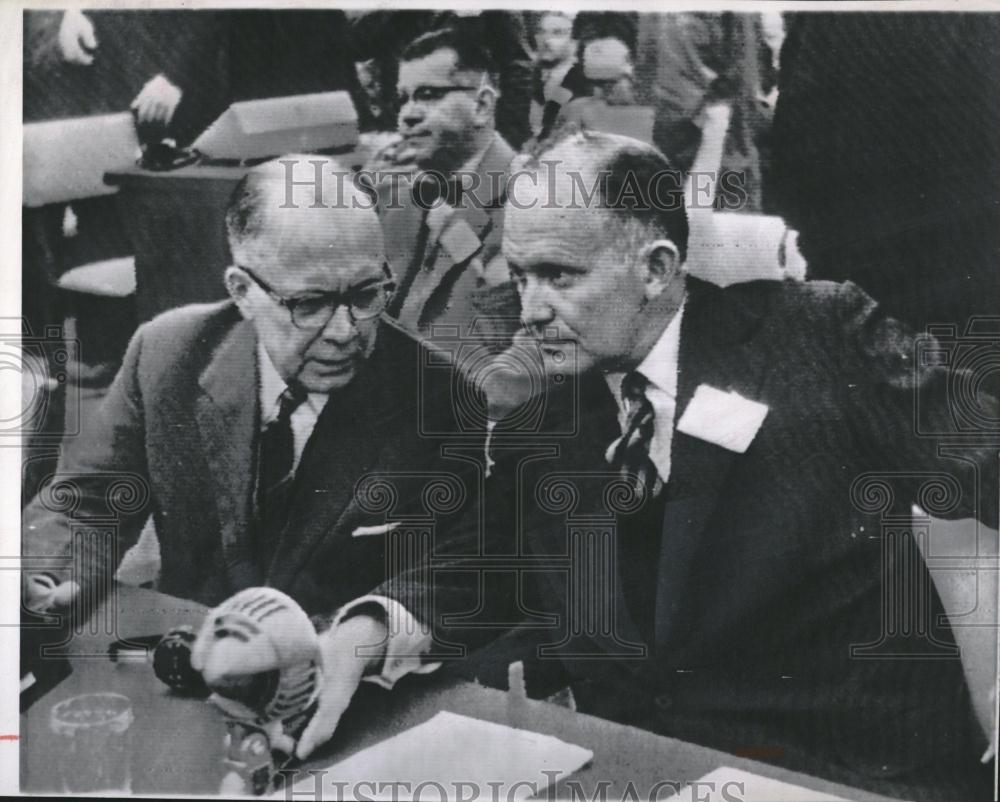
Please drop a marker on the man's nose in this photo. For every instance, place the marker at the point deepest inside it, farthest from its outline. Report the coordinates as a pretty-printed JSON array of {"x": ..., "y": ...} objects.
[
  {"x": 410, "y": 114},
  {"x": 536, "y": 308},
  {"x": 340, "y": 328}
]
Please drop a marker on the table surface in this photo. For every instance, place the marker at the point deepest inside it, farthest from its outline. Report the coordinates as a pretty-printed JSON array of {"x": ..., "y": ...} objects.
[{"x": 176, "y": 743}]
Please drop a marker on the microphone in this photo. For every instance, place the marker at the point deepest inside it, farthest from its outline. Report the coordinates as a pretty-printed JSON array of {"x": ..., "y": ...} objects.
[{"x": 258, "y": 654}]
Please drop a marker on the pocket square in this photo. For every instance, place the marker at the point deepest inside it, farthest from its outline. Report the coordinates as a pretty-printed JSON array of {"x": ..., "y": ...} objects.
[
  {"x": 725, "y": 419},
  {"x": 381, "y": 529}
]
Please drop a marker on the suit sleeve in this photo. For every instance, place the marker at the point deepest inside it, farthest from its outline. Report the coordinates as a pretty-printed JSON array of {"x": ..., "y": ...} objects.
[
  {"x": 92, "y": 511},
  {"x": 919, "y": 407},
  {"x": 421, "y": 604}
]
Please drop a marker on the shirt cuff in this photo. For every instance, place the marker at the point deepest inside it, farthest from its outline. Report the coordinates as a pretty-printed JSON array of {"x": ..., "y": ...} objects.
[{"x": 408, "y": 640}]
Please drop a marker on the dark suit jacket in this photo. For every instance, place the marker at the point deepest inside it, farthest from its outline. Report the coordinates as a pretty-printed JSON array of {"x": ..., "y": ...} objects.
[
  {"x": 745, "y": 608},
  {"x": 177, "y": 437},
  {"x": 886, "y": 158},
  {"x": 446, "y": 285}
]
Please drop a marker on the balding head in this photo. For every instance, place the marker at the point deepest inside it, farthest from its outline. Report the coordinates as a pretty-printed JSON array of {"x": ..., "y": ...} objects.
[
  {"x": 300, "y": 201},
  {"x": 595, "y": 231},
  {"x": 303, "y": 236},
  {"x": 622, "y": 186}
]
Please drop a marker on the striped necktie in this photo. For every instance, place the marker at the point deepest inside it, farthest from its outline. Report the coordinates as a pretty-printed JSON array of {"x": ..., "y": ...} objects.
[{"x": 631, "y": 454}]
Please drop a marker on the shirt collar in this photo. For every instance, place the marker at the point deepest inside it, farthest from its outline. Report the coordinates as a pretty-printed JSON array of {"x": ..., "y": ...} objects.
[
  {"x": 661, "y": 363},
  {"x": 272, "y": 386}
]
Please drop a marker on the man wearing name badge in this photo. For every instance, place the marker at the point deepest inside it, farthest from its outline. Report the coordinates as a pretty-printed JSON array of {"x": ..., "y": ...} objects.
[
  {"x": 245, "y": 426},
  {"x": 732, "y": 443},
  {"x": 443, "y": 231}
]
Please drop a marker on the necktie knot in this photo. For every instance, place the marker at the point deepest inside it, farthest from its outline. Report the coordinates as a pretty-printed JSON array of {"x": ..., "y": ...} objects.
[
  {"x": 634, "y": 386},
  {"x": 291, "y": 399},
  {"x": 631, "y": 451}
]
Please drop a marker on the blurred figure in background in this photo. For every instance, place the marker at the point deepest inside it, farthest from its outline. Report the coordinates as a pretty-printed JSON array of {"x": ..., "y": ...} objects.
[
  {"x": 603, "y": 69},
  {"x": 689, "y": 61},
  {"x": 887, "y": 158},
  {"x": 383, "y": 35},
  {"x": 443, "y": 230},
  {"x": 555, "y": 54}
]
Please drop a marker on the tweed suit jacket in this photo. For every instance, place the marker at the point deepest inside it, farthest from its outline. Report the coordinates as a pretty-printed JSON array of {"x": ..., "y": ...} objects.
[
  {"x": 447, "y": 283},
  {"x": 177, "y": 437}
]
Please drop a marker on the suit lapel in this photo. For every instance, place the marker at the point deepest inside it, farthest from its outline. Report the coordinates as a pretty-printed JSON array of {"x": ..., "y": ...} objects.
[
  {"x": 461, "y": 237},
  {"x": 715, "y": 350},
  {"x": 402, "y": 230},
  {"x": 345, "y": 445},
  {"x": 227, "y": 424}
]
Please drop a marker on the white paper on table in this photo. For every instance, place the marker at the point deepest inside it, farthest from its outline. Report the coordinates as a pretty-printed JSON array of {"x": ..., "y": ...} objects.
[
  {"x": 492, "y": 761},
  {"x": 726, "y": 783}
]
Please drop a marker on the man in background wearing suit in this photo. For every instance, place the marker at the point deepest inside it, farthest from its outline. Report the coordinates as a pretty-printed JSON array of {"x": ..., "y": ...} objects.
[
  {"x": 714, "y": 460},
  {"x": 244, "y": 426},
  {"x": 444, "y": 231}
]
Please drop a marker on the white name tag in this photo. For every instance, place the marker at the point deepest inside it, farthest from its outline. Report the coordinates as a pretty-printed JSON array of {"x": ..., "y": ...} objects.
[{"x": 725, "y": 419}]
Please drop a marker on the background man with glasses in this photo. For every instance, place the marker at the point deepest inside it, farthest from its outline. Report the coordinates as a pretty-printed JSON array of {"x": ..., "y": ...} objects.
[
  {"x": 245, "y": 426},
  {"x": 444, "y": 229}
]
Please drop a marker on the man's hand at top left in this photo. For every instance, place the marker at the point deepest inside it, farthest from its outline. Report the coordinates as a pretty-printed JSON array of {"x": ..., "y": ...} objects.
[
  {"x": 157, "y": 101},
  {"x": 77, "y": 41}
]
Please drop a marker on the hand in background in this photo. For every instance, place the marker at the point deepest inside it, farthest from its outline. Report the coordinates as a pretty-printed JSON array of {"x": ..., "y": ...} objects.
[
  {"x": 157, "y": 101},
  {"x": 44, "y": 593},
  {"x": 76, "y": 38},
  {"x": 343, "y": 669}
]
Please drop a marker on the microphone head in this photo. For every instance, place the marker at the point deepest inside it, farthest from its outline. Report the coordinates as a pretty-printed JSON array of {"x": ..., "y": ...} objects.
[{"x": 259, "y": 653}]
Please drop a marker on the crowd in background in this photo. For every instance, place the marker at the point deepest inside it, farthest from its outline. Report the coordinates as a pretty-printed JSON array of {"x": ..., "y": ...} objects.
[{"x": 873, "y": 135}]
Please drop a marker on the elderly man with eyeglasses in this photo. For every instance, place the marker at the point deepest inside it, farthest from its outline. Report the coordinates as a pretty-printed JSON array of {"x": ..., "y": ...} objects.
[{"x": 246, "y": 427}]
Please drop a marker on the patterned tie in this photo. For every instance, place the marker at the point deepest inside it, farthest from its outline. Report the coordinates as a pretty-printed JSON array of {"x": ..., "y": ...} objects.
[
  {"x": 277, "y": 458},
  {"x": 631, "y": 454}
]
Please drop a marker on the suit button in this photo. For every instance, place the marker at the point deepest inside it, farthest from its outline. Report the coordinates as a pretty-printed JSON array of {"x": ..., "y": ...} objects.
[{"x": 664, "y": 701}]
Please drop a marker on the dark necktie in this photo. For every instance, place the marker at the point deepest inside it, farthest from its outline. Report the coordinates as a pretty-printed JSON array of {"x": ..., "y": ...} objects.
[
  {"x": 275, "y": 474},
  {"x": 639, "y": 534},
  {"x": 631, "y": 455}
]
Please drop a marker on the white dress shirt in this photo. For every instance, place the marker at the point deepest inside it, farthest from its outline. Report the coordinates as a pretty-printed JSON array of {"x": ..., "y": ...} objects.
[{"x": 660, "y": 370}]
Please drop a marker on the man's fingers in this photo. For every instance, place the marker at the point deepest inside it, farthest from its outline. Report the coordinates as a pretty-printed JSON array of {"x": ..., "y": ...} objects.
[
  {"x": 200, "y": 648},
  {"x": 321, "y": 726},
  {"x": 44, "y": 592},
  {"x": 87, "y": 37},
  {"x": 65, "y": 593},
  {"x": 76, "y": 38}
]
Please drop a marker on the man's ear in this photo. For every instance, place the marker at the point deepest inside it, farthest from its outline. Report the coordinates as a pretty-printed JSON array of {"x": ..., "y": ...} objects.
[
  {"x": 486, "y": 104},
  {"x": 662, "y": 266},
  {"x": 238, "y": 286}
]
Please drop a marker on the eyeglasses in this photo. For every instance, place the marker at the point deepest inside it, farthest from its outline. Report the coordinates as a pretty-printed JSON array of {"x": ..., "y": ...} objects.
[
  {"x": 310, "y": 312},
  {"x": 430, "y": 94}
]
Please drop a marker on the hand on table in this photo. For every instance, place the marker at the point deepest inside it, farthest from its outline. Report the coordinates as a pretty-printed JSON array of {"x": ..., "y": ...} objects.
[
  {"x": 157, "y": 101},
  {"x": 76, "y": 38},
  {"x": 343, "y": 669}
]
